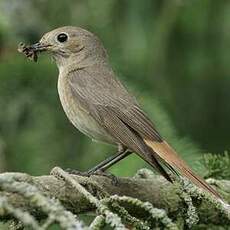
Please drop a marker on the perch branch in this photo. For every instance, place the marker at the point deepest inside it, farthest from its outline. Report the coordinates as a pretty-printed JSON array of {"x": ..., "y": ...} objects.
[{"x": 146, "y": 187}]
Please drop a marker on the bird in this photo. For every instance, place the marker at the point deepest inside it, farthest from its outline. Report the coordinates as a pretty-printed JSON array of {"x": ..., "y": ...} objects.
[{"x": 100, "y": 106}]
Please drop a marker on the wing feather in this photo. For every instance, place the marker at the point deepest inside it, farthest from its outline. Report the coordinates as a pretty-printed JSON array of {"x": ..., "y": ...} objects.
[{"x": 109, "y": 94}]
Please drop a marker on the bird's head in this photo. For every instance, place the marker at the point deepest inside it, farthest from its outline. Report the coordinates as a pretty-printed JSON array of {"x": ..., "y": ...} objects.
[{"x": 70, "y": 44}]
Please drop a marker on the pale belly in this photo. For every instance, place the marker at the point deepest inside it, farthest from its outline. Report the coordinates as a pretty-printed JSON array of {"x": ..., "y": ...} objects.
[{"x": 79, "y": 117}]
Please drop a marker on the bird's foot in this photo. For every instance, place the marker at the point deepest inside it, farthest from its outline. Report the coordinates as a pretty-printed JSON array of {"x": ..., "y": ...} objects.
[
  {"x": 113, "y": 178},
  {"x": 77, "y": 172}
]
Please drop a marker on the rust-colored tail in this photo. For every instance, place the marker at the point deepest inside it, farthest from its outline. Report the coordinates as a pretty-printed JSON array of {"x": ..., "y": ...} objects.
[{"x": 169, "y": 155}]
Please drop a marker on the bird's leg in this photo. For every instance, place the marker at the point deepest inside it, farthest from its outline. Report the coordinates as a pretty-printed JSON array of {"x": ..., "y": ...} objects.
[
  {"x": 104, "y": 165},
  {"x": 107, "y": 163}
]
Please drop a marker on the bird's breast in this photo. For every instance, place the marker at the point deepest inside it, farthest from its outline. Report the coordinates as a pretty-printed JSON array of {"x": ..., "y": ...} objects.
[{"x": 78, "y": 115}]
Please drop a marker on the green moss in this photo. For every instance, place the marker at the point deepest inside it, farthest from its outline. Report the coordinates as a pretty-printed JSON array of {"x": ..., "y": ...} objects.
[{"x": 217, "y": 165}]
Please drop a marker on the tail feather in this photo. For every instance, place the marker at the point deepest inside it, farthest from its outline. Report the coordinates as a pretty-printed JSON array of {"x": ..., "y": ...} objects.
[
  {"x": 169, "y": 155},
  {"x": 154, "y": 162}
]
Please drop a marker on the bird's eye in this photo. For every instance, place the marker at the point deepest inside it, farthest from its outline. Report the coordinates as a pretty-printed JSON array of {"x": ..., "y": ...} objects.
[{"x": 62, "y": 37}]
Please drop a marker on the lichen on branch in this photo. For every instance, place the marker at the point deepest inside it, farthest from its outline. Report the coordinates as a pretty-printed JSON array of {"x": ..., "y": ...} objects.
[{"x": 145, "y": 201}]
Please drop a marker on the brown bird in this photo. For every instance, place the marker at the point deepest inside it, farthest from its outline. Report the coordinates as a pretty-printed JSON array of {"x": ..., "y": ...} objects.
[{"x": 97, "y": 103}]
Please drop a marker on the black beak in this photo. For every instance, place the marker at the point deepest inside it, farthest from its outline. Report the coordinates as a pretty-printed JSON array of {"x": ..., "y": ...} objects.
[{"x": 39, "y": 47}]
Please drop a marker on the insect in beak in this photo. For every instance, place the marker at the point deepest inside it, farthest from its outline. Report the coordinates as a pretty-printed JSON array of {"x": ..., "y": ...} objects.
[{"x": 32, "y": 51}]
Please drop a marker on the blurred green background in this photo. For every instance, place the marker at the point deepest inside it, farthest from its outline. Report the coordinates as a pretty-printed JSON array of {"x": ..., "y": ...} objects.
[{"x": 173, "y": 55}]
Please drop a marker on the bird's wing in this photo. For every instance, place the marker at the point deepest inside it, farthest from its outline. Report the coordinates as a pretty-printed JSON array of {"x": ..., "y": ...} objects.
[
  {"x": 110, "y": 105},
  {"x": 102, "y": 94}
]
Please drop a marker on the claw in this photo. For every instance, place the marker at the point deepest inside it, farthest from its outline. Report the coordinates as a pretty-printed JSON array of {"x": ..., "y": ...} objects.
[
  {"x": 113, "y": 178},
  {"x": 76, "y": 172}
]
